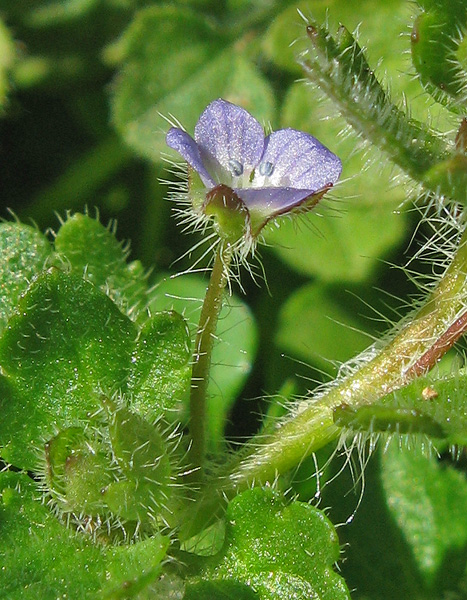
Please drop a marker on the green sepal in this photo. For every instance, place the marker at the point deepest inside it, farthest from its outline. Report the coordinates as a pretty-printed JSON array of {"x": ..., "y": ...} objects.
[
  {"x": 437, "y": 51},
  {"x": 159, "y": 376},
  {"x": 137, "y": 445},
  {"x": 24, "y": 251},
  {"x": 141, "y": 454},
  {"x": 260, "y": 528},
  {"x": 124, "y": 499},
  {"x": 91, "y": 250},
  {"x": 85, "y": 478},
  {"x": 230, "y": 215},
  {"x": 65, "y": 344},
  {"x": 57, "y": 451}
]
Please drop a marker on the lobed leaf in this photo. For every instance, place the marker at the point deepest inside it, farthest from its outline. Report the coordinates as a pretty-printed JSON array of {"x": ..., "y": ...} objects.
[
  {"x": 42, "y": 558},
  {"x": 159, "y": 375},
  {"x": 260, "y": 528},
  {"x": 65, "y": 345}
]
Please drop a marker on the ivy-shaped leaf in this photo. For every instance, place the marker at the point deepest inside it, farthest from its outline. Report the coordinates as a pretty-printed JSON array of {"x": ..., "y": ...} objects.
[
  {"x": 278, "y": 550},
  {"x": 66, "y": 344}
]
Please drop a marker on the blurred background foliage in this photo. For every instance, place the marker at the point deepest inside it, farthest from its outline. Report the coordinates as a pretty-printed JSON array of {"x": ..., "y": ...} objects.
[{"x": 86, "y": 89}]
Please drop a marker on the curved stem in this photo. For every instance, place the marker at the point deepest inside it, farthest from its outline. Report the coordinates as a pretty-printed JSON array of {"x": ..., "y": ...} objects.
[
  {"x": 202, "y": 354},
  {"x": 414, "y": 350}
]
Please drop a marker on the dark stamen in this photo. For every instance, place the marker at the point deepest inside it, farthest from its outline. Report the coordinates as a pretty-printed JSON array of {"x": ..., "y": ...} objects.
[
  {"x": 235, "y": 167},
  {"x": 266, "y": 169}
]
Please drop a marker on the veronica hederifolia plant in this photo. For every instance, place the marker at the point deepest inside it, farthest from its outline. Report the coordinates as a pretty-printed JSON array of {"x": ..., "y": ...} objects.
[{"x": 92, "y": 383}]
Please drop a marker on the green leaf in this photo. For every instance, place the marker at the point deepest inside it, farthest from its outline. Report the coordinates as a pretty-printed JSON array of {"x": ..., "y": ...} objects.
[
  {"x": 285, "y": 40},
  {"x": 7, "y": 58},
  {"x": 232, "y": 356},
  {"x": 54, "y": 13},
  {"x": 279, "y": 550},
  {"x": 24, "y": 252},
  {"x": 315, "y": 328},
  {"x": 160, "y": 366},
  {"x": 93, "y": 252},
  {"x": 66, "y": 344},
  {"x": 176, "y": 63},
  {"x": 220, "y": 590},
  {"x": 428, "y": 500},
  {"x": 131, "y": 569}
]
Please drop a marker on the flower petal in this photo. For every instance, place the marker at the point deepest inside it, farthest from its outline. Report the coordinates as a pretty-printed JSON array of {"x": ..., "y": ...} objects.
[
  {"x": 186, "y": 146},
  {"x": 229, "y": 136},
  {"x": 298, "y": 160},
  {"x": 272, "y": 201}
]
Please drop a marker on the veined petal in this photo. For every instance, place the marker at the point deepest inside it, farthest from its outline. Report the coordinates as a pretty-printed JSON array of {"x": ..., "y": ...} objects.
[
  {"x": 295, "y": 159},
  {"x": 186, "y": 146},
  {"x": 229, "y": 136}
]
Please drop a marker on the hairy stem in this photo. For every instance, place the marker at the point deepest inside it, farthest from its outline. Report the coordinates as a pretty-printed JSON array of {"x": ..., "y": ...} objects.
[
  {"x": 415, "y": 349},
  {"x": 203, "y": 353}
]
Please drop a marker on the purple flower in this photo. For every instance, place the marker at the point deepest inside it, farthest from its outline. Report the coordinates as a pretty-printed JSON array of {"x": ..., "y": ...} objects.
[{"x": 269, "y": 176}]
